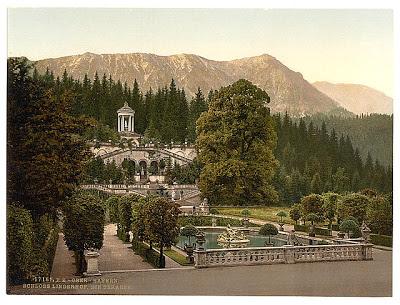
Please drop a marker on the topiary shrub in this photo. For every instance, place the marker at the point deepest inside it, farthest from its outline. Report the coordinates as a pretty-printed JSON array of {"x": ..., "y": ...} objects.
[
  {"x": 189, "y": 231},
  {"x": 349, "y": 226},
  {"x": 245, "y": 212},
  {"x": 268, "y": 230}
]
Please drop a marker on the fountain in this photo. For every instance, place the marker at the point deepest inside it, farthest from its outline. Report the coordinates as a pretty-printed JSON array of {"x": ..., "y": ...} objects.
[{"x": 232, "y": 238}]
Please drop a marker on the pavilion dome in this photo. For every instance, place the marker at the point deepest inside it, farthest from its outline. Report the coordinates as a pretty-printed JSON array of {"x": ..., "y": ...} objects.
[{"x": 126, "y": 109}]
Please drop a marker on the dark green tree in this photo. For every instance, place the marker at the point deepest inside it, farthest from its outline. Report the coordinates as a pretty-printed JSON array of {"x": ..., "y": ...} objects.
[
  {"x": 161, "y": 222},
  {"x": 83, "y": 225},
  {"x": 235, "y": 144}
]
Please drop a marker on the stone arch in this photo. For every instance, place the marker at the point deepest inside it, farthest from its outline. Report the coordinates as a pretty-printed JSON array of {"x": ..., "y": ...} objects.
[
  {"x": 154, "y": 167},
  {"x": 181, "y": 153},
  {"x": 101, "y": 152},
  {"x": 142, "y": 164}
]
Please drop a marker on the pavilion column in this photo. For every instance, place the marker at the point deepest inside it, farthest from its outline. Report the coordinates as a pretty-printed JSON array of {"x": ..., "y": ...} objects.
[{"x": 119, "y": 123}]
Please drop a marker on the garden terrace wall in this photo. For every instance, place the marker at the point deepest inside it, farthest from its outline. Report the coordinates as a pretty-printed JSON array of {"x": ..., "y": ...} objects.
[{"x": 282, "y": 255}]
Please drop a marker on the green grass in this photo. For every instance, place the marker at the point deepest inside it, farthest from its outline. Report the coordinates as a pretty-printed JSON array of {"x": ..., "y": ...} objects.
[
  {"x": 262, "y": 213},
  {"x": 177, "y": 257}
]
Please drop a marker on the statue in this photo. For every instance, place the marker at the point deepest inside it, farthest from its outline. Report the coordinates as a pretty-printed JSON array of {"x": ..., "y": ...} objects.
[
  {"x": 204, "y": 207},
  {"x": 232, "y": 238}
]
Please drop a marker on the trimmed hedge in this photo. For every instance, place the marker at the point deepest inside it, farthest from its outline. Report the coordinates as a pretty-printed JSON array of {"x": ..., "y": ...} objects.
[
  {"x": 318, "y": 230},
  {"x": 301, "y": 228},
  {"x": 150, "y": 255},
  {"x": 30, "y": 246},
  {"x": 382, "y": 240},
  {"x": 20, "y": 245}
]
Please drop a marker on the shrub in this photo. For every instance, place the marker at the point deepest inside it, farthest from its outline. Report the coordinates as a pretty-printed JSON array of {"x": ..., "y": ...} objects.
[
  {"x": 268, "y": 230},
  {"x": 245, "y": 213}
]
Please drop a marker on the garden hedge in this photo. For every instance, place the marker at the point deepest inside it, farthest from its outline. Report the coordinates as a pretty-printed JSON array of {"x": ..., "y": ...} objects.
[
  {"x": 20, "y": 245},
  {"x": 318, "y": 230},
  {"x": 30, "y": 246},
  {"x": 382, "y": 240}
]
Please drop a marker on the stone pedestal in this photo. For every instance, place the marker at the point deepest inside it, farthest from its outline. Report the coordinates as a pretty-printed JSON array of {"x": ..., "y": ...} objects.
[
  {"x": 200, "y": 258},
  {"x": 91, "y": 258},
  {"x": 367, "y": 252},
  {"x": 289, "y": 254}
]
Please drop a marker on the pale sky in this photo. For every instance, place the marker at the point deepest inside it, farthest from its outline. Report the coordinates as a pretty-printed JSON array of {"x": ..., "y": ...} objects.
[{"x": 340, "y": 46}]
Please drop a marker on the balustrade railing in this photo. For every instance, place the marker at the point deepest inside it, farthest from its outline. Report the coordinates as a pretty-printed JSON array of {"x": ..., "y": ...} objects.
[{"x": 282, "y": 255}]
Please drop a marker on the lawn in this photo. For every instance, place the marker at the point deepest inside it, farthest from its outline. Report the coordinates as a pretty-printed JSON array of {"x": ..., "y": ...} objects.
[
  {"x": 262, "y": 213},
  {"x": 179, "y": 258}
]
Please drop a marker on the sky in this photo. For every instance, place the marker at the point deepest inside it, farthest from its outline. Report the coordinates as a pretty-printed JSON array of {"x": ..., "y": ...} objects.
[{"x": 339, "y": 46}]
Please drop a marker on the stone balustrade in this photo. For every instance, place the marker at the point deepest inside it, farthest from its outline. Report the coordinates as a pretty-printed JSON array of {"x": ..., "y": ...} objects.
[{"x": 282, "y": 255}]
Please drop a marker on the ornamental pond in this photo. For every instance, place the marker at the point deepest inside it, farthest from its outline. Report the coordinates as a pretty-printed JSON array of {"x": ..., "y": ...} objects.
[{"x": 211, "y": 240}]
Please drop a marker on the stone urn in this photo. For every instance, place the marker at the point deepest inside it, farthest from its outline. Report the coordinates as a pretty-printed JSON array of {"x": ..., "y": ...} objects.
[
  {"x": 200, "y": 240},
  {"x": 245, "y": 222},
  {"x": 281, "y": 226}
]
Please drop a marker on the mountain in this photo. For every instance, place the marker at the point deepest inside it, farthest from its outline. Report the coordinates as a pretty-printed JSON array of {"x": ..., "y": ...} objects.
[
  {"x": 288, "y": 90},
  {"x": 357, "y": 98}
]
